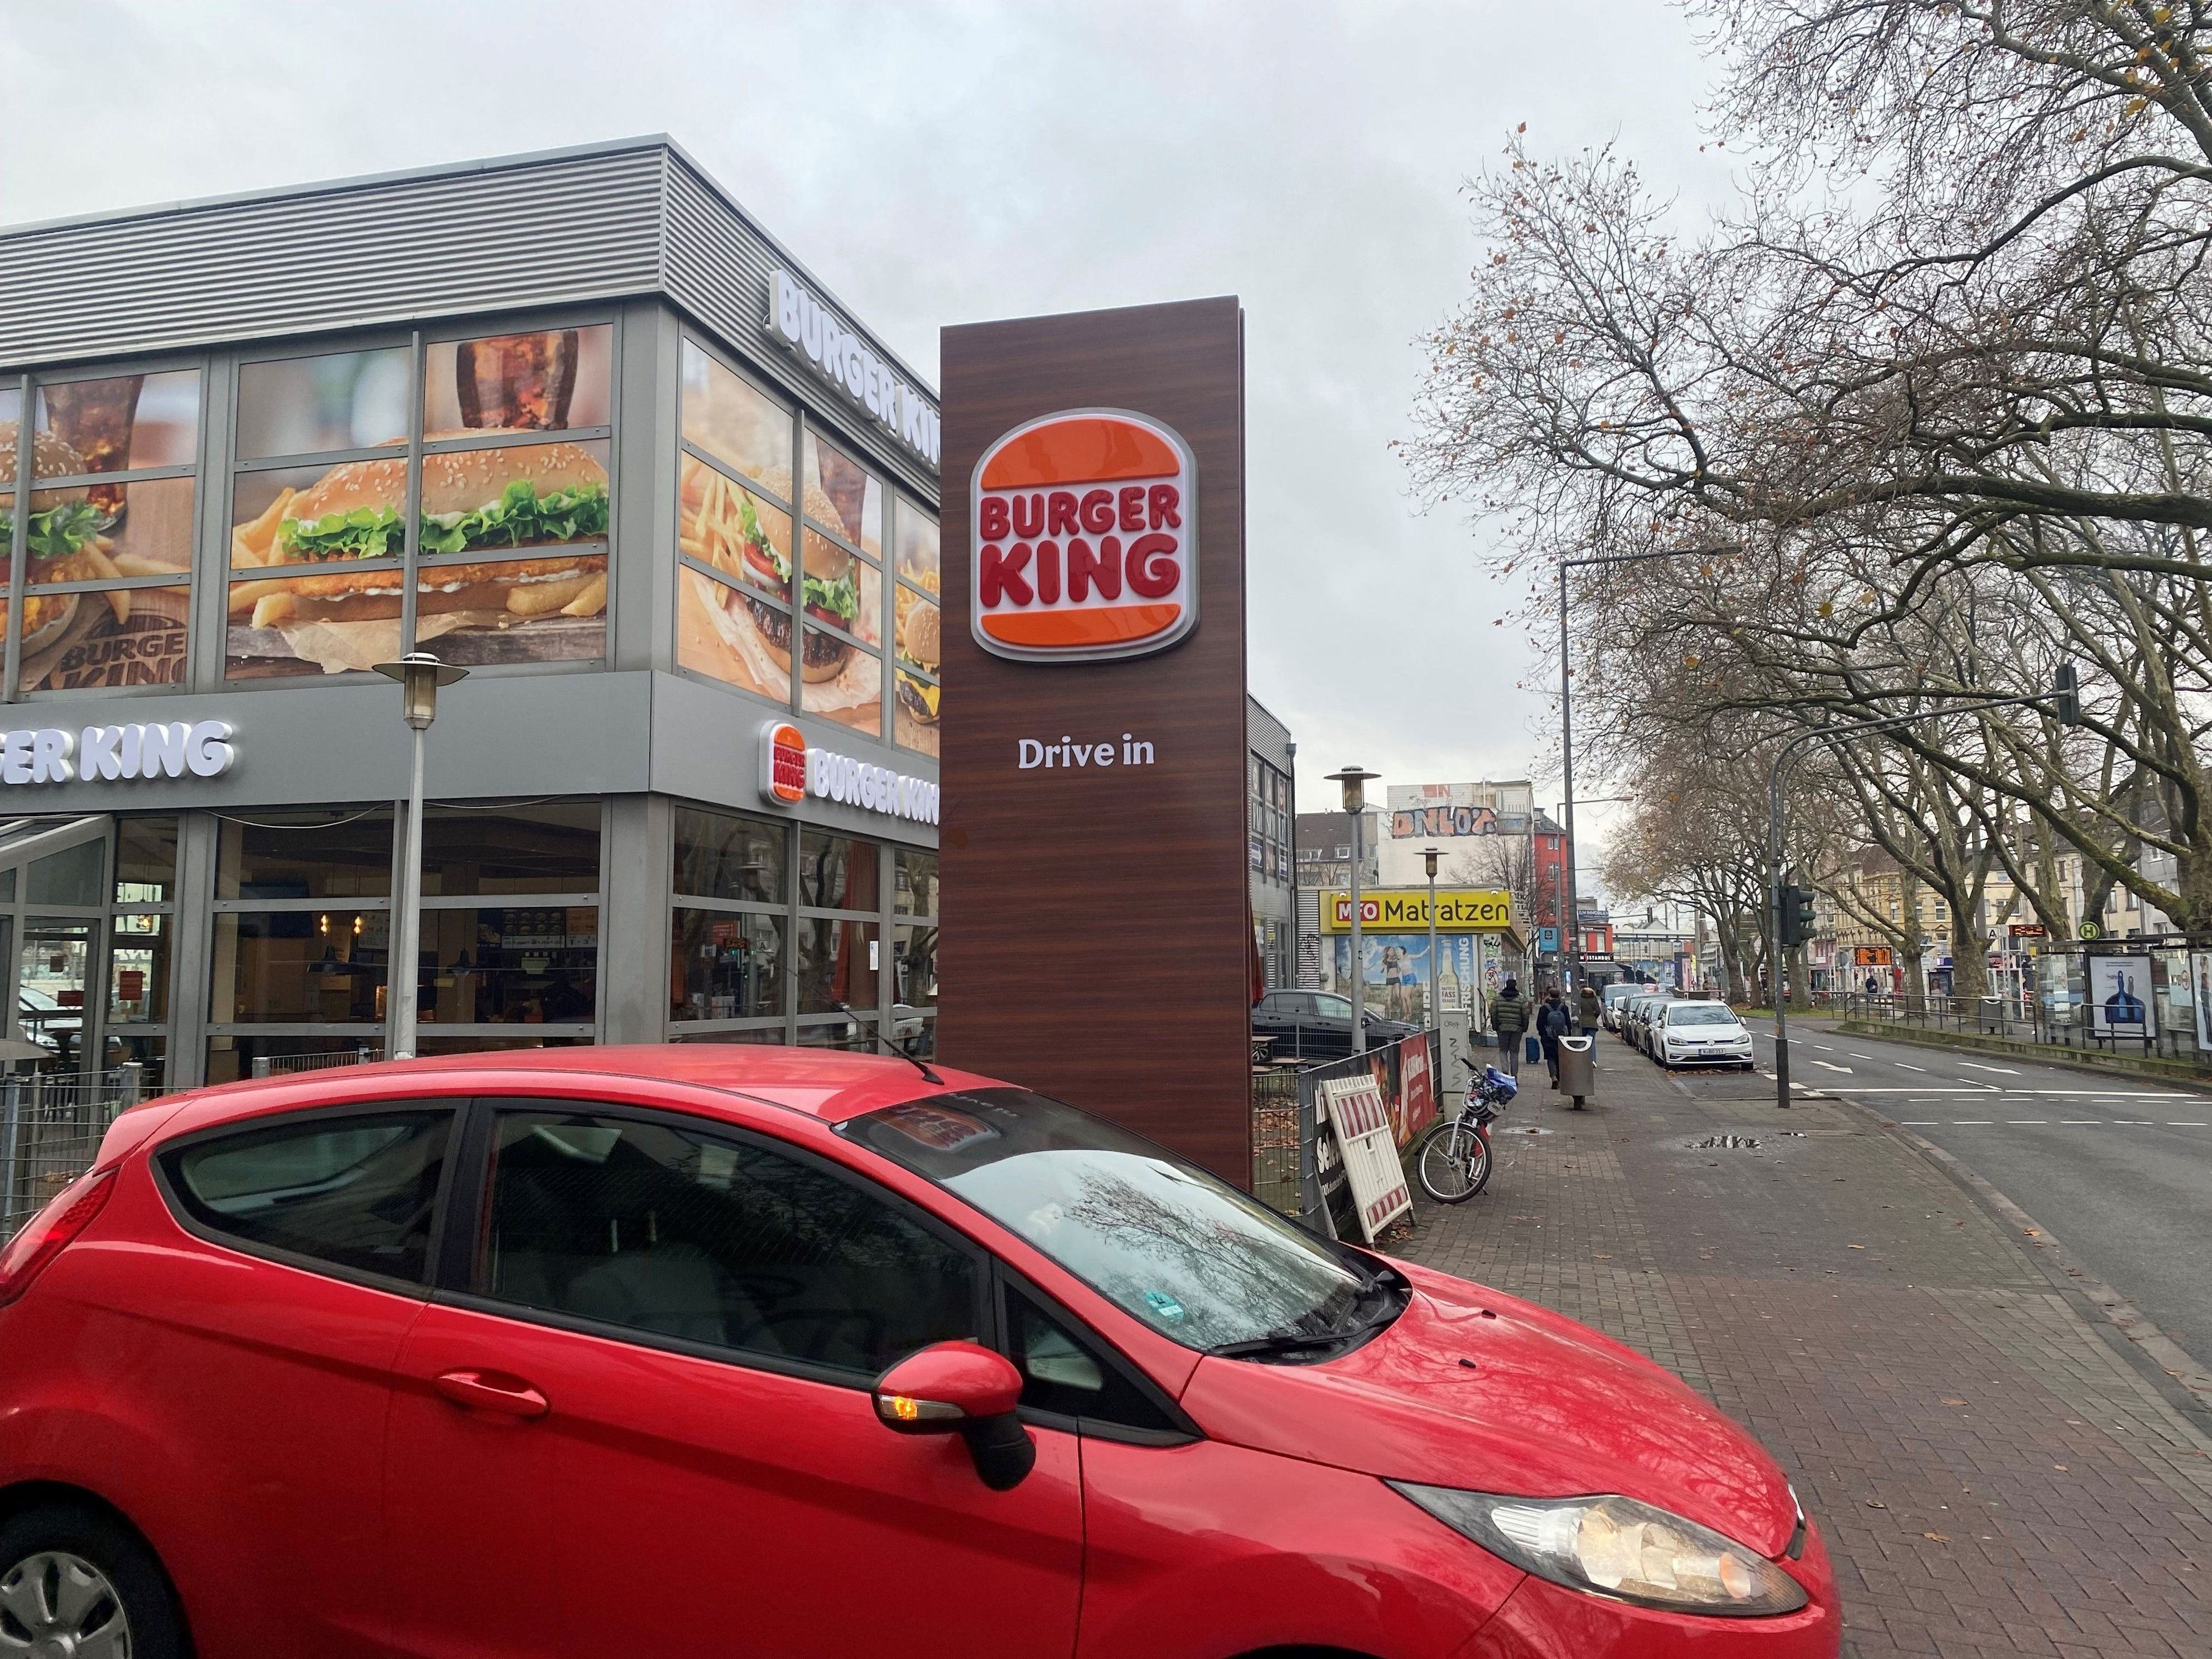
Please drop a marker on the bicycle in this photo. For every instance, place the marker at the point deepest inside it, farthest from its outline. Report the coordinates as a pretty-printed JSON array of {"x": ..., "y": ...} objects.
[{"x": 1454, "y": 1158}]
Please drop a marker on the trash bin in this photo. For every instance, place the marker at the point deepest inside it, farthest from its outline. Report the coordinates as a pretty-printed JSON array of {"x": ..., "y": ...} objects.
[{"x": 1578, "y": 1068}]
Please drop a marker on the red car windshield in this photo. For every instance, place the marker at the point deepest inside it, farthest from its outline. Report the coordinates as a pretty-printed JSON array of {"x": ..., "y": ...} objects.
[{"x": 1180, "y": 1248}]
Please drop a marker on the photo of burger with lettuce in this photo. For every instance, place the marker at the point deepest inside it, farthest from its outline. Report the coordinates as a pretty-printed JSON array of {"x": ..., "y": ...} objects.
[
  {"x": 61, "y": 533},
  {"x": 725, "y": 528},
  {"x": 475, "y": 500}
]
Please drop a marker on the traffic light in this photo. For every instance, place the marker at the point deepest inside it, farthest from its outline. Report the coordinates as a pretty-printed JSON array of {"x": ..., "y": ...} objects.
[
  {"x": 2066, "y": 700},
  {"x": 1796, "y": 915}
]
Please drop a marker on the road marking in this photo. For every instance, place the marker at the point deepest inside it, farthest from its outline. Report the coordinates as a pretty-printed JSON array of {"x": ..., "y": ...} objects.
[
  {"x": 2081, "y": 1120},
  {"x": 2185, "y": 1125},
  {"x": 1856, "y": 1055},
  {"x": 1976, "y": 1065},
  {"x": 1970, "y": 1123},
  {"x": 1832, "y": 1065},
  {"x": 2025, "y": 1120},
  {"x": 1824, "y": 1047},
  {"x": 1902, "y": 1066},
  {"x": 1918, "y": 1122}
]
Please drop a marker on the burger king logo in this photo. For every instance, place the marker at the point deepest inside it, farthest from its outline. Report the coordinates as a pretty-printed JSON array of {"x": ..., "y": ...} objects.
[
  {"x": 1084, "y": 538},
  {"x": 783, "y": 762}
]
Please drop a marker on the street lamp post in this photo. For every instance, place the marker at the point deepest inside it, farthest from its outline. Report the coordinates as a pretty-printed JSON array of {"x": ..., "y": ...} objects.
[
  {"x": 1573, "y": 952},
  {"x": 1354, "y": 781},
  {"x": 420, "y": 675},
  {"x": 2065, "y": 696},
  {"x": 1436, "y": 1008}
]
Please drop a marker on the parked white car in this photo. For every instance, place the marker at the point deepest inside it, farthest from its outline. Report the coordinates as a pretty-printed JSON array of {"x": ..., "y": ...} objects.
[{"x": 1701, "y": 1034}]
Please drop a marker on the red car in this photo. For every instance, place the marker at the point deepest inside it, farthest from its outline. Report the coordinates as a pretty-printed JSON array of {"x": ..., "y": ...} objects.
[{"x": 704, "y": 1351}]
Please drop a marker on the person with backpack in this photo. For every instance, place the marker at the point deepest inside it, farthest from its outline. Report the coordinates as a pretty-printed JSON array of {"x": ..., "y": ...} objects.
[
  {"x": 1554, "y": 1021},
  {"x": 1509, "y": 1018}
]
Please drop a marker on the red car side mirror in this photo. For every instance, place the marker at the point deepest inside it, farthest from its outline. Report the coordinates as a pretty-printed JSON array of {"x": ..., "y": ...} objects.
[{"x": 963, "y": 1388}]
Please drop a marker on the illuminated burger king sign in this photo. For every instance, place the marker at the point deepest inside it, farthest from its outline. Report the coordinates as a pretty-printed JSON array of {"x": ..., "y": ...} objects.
[{"x": 1085, "y": 538}]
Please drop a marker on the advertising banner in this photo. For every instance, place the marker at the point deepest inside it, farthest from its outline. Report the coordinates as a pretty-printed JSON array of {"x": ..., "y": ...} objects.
[
  {"x": 1459, "y": 910},
  {"x": 1417, "y": 1089},
  {"x": 1094, "y": 761},
  {"x": 2120, "y": 997},
  {"x": 2200, "y": 987},
  {"x": 1364, "y": 1140}
]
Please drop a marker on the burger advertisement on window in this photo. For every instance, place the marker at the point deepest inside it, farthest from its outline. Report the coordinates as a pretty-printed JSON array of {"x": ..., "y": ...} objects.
[{"x": 512, "y": 520}]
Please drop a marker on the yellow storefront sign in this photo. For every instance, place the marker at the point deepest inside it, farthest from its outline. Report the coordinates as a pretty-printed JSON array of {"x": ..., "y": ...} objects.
[{"x": 1405, "y": 910}]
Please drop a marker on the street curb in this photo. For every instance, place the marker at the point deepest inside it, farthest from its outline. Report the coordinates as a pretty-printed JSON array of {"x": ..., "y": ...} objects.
[
  {"x": 2181, "y": 1380},
  {"x": 2150, "y": 1068}
]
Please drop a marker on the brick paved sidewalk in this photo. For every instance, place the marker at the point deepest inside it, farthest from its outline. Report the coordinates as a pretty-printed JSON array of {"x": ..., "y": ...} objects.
[{"x": 1993, "y": 1478}]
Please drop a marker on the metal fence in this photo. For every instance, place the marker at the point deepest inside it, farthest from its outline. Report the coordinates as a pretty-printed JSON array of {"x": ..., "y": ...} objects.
[
  {"x": 2027, "y": 1019},
  {"x": 1287, "y": 1129},
  {"x": 285, "y": 1065},
  {"x": 51, "y": 1129}
]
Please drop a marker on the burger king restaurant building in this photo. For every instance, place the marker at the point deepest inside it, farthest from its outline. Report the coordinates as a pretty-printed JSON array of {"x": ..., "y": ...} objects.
[{"x": 573, "y": 421}]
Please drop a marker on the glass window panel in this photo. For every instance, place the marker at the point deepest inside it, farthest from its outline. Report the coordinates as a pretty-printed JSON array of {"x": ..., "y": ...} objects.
[
  {"x": 726, "y": 965},
  {"x": 116, "y": 636},
  {"x": 840, "y": 682},
  {"x": 490, "y": 501},
  {"x": 1062, "y": 1372},
  {"x": 548, "y": 609},
  {"x": 718, "y": 855},
  {"x": 842, "y": 495},
  {"x": 149, "y": 532},
  {"x": 856, "y": 1035},
  {"x": 916, "y": 874},
  {"x": 480, "y": 1042},
  {"x": 357, "y": 1191},
  {"x": 311, "y": 515},
  {"x": 129, "y": 420},
  {"x": 305, "y": 855},
  {"x": 842, "y": 590},
  {"x": 836, "y": 872},
  {"x": 76, "y": 875},
  {"x": 728, "y": 417},
  {"x": 837, "y": 963},
  {"x": 50, "y": 994},
  {"x": 274, "y": 967},
  {"x": 521, "y": 965},
  {"x": 917, "y": 555},
  {"x": 303, "y": 405},
  {"x": 687, "y": 1235},
  {"x": 729, "y": 635},
  {"x": 914, "y": 967},
  {"x": 149, "y": 1051},
  {"x": 145, "y": 860},
  {"x": 741, "y": 535},
  {"x": 550, "y": 849},
  {"x": 769, "y": 1036},
  {"x": 916, "y": 724},
  {"x": 544, "y": 381},
  {"x": 139, "y": 973}
]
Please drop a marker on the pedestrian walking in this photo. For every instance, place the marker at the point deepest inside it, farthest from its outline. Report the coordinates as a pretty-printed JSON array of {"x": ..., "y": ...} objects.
[
  {"x": 1552, "y": 1023},
  {"x": 1588, "y": 1006},
  {"x": 1509, "y": 1018}
]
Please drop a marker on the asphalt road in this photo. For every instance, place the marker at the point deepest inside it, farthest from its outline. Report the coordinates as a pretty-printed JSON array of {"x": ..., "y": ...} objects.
[{"x": 2119, "y": 1168}]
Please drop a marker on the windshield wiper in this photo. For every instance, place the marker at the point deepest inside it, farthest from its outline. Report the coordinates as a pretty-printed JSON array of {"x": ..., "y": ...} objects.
[{"x": 1280, "y": 1342}]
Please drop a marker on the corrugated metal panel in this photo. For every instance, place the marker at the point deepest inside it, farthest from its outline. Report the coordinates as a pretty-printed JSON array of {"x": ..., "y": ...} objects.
[
  {"x": 718, "y": 268},
  {"x": 546, "y": 232}
]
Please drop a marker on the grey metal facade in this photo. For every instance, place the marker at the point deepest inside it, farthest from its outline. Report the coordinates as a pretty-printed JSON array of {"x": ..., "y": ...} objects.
[{"x": 632, "y": 237}]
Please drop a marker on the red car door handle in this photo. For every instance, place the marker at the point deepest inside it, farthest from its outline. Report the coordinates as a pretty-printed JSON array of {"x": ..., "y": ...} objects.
[{"x": 493, "y": 1391}]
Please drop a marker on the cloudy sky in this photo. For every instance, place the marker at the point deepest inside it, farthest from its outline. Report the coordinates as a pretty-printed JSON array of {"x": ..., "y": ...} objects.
[{"x": 946, "y": 163}]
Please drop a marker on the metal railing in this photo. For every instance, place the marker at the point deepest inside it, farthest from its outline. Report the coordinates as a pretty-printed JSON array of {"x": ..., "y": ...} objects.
[
  {"x": 2024, "y": 1018},
  {"x": 50, "y": 1128},
  {"x": 285, "y": 1065}
]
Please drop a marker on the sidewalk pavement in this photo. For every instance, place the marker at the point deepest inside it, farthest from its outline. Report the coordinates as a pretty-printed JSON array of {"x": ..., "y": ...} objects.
[{"x": 1993, "y": 1476}]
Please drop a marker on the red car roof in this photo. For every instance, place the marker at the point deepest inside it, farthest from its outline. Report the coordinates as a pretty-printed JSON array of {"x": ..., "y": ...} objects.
[{"x": 827, "y": 1084}]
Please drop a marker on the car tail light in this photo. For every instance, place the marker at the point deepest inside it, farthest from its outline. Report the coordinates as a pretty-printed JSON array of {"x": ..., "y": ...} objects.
[{"x": 68, "y": 1213}]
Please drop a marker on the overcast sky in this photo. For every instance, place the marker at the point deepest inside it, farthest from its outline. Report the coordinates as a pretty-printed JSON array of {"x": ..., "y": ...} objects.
[{"x": 937, "y": 164}]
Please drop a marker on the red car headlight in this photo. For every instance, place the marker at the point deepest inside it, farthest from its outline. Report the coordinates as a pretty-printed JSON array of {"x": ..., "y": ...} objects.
[{"x": 1616, "y": 1546}]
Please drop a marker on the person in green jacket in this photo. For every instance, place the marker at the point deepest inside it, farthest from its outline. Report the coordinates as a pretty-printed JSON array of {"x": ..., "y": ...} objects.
[
  {"x": 1509, "y": 1018},
  {"x": 1588, "y": 1006}
]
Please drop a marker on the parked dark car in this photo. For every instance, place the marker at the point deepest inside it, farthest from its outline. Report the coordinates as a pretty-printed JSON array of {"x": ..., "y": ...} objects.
[{"x": 1317, "y": 1025}]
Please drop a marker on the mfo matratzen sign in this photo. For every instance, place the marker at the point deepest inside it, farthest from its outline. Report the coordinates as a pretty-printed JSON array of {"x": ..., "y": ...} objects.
[
  {"x": 1460, "y": 910},
  {"x": 1084, "y": 526}
]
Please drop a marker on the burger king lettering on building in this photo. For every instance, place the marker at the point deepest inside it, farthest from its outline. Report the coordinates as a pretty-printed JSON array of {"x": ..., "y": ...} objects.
[{"x": 1084, "y": 538}]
